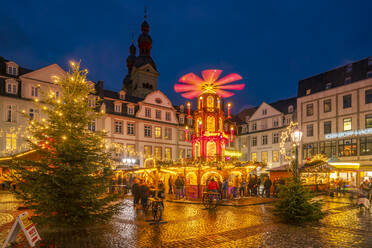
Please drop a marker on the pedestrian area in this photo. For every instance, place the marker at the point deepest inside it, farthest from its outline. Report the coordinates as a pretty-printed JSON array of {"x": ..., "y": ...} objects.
[{"x": 229, "y": 226}]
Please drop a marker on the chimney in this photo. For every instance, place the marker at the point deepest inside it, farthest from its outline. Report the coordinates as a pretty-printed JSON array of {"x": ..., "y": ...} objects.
[{"x": 99, "y": 88}]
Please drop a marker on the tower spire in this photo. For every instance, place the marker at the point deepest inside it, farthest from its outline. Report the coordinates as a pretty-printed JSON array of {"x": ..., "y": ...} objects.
[{"x": 145, "y": 13}]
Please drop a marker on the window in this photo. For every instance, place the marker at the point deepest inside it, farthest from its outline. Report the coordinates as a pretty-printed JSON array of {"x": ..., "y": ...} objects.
[
  {"x": 327, "y": 127},
  {"x": 309, "y": 109},
  {"x": 308, "y": 91},
  {"x": 147, "y": 131},
  {"x": 181, "y": 120},
  {"x": 287, "y": 120},
  {"x": 327, "y": 106},
  {"x": 181, "y": 135},
  {"x": 347, "y": 147},
  {"x": 147, "y": 150},
  {"x": 130, "y": 110},
  {"x": 366, "y": 146},
  {"x": 264, "y": 139},
  {"x": 290, "y": 109},
  {"x": 254, "y": 126},
  {"x": 91, "y": 102},
  {"x": 309, "y": 130},
  {"x": 349, "y": 68},
  {"x": 264, "y": 157},
  {"x": 158, "y": 114},
  {"x": 168, "y": 133},
  {"x": 122, "y": 95},
  {"x": 158, "y": 132},
  {"x": 347, "y": 101},
  {"x": 118, "y": 127},
  {"x": 11, "y": 88},
  {"x": 168, "y": 116},
  {"x": 92, "y": 126},
  {"x": 158, "y": 153},
  {"x": 131, "y": 149},
  {"x": 347, "y": 124},
  {"x": 368, "y": 121},
  {"x": 254, "y": 141},
  {"x": 34, "y": 91},
  {"x": 347, "y": 80},
  {"x": 328, "y": 86},
  {"x": 369, "y": 74},
  {"x": 117, "y": 107},
  {"x": 309, "y": 150},
  {"x": 275, "y": 123},
  {"x": 31, "y": 113},
  {"x": 12, "y": 70},
  {"x": 275, "y": 138},
  {"x": 254, "y": 156},
  {"x": 368, "y": 96},
  {"x": 168, "y": 153},
  {"x": 11, "y": 142},
  {"x": 328, "y": 148},
  {"x": 275, "y": 156},
  {"x": 130, "y": 128},
  {"x": 264, "y": 124},
  {"x": 181, "y": 153},
  {"x": 10, "y": 113},
  {"x": 264, "y": 111},
  {"x": 148, "y": 112}
]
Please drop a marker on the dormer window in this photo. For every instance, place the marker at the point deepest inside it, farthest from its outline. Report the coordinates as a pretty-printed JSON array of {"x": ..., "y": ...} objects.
[
  {"x": 117, "y": 107},
  {"x": 347, "y": 80},
  {"x": 308, "y": 91},
  {"x": 290, "y": 109},
  {"x": 264, "y": 111},
  {"x": 130, "y": 110},
  {"x": 11, "y": 87},
  {"x": 181, "y": 120},
  {"x": 12, "y": 70},
  {"x": 349, "y": 68},
  {"x": 122, "y": 95},
  {"x": 328, "y": 86}
]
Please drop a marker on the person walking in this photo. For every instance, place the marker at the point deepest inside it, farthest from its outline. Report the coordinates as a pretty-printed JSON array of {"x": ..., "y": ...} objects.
[
  {"x": 170, "y": 184},
  {"x": 144, "y": 194},
  {"x": 135, "y": 192},
  {"x": 183, "y": 187},
  {"x": 250, "y": 185},
  {"x": 254, "y": 185},
  {"x": 242, "y": 187},
  {"x": 178, "y": 185},
  {"x": 267, "y": 186},
  {"x": 225, "y": 188},
  {"x": 235, "y": 186}
]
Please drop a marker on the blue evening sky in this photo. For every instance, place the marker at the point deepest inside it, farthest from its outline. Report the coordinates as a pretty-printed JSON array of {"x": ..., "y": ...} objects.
[{"x": 272, "y": 44}]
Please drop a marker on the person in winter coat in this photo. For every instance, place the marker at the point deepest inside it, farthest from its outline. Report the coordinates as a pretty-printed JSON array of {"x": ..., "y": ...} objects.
[
  {"x": 254, "y": 185},
  {"x": 135, "y": 192},
  {"x": 225, "y": 188},
  {"x": 213, "y": 186},
  {"x": 178, "y": 184},
  {"x": 170, "y": 183},
  {"x": 144, "y": 194},
  {"x": 250, "y": 186},
  {"x": 267, "y": 186}
]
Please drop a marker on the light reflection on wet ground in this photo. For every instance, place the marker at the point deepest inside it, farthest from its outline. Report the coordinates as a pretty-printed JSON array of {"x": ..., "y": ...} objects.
[{"x": 188, "y": 225}]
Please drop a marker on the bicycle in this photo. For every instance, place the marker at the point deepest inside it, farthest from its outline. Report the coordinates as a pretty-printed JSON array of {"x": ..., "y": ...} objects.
[
  {"x": 211, "y": 199},
  {"x": 157, "y": 208}
]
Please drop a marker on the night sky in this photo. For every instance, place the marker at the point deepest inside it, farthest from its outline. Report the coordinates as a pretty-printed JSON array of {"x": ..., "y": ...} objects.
[{"x": 272, "y": 44}]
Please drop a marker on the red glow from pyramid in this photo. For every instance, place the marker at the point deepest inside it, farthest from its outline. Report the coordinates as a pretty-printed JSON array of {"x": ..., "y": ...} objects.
[{"x": 193, "y": 86}]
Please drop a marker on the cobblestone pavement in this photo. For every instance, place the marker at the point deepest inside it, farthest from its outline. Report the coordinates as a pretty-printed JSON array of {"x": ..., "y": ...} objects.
[{"x": 188, "y": 225}]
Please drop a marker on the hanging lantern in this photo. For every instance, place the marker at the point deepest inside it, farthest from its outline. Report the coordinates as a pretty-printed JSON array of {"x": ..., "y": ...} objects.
[
  {"x": 200, "y": 127},
  {"x": 229, "y": 111},
  {"x": 232, "y": 134}
]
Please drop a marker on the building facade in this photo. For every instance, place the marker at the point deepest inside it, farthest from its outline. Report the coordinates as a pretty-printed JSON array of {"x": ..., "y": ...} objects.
[
  {"x": 140, "y": 121},
  {"x": 335, "y": 115},
  {"x": 260, "y": 130}
]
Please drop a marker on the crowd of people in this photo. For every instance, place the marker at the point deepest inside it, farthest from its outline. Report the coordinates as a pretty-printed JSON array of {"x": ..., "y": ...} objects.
[{"x": 141, "y": 191}]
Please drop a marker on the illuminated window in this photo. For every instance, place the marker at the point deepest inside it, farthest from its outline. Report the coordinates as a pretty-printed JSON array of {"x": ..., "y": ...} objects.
[
  {"x": 264, "y": 157},
  {"x": 11, "y": 142},
  {"x": 168, "y": 153},
  {"x": 211, "y": 124},
  {"x": 327, "y": 106},
  {"x": 182, "y": 153},
  {"x": 309, "y": 150},
  {"x": 131, "y": 149},
  {"x": 147, "y": 150},
  {"x": 118, "y": 149},
  {"x": 130, "y": 128},
  {"x": 168, "y": 116},
  {"x": 347, "y": 147},
  {"x": 275, "y": 156},
  {"x": 368, "y": 121},
  {"x": 347, "y": 124},
  {"x": 168, "y": 133},
  {"x": 254, "y": 156},
  {"x": 328, "y": 148},
  {"x": 210, "y": 103},
  {"x": 158, "y": 132},
  {"x": 118, "y": 127},
  {"x": 147, "y": 131},
  {"x": 158, "y": 153},
  {"x": 366, "y": 146}
]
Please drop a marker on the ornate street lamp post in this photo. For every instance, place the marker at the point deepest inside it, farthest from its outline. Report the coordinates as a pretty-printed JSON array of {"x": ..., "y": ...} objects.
[{"x": 296, "y": 136}]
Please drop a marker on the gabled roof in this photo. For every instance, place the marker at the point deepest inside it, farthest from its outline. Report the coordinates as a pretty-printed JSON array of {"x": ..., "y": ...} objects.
[
  {"x": 128, "y": 98},
  {"x": 21, "y": 70},
  {"x": 282, "y": 105}
]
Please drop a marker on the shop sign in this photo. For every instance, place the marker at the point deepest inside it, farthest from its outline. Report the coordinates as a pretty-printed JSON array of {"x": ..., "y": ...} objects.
[
  {"x": 28, "y": 227},
  {"x": 349, "y": 133}
]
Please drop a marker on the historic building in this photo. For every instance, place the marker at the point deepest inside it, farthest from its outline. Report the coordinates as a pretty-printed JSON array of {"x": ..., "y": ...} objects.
[
  {"x": 140, "y": 121},
  {"x": 260, "y": 129},
  {"x": 334, "y": 111}
]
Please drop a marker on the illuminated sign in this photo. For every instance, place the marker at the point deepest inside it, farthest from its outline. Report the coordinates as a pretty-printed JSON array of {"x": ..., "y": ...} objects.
[
  {"x": 348, "y": 133},
  {"x": 233, "y": 153}
]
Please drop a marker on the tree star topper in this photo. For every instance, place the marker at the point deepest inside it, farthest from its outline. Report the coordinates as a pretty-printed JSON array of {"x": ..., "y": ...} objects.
[{"x": 194, "y": 86}]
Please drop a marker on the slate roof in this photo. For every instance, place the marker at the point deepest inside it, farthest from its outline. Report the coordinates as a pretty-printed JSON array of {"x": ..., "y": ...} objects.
[
  {"x": 282, "y": 105},
  {"x": 21, "y": 70},
  {"x": 144, "y": 60}
]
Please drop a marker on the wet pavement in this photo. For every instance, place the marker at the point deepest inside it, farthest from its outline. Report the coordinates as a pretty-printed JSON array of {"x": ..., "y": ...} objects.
[{"x": 188, "y": 225}]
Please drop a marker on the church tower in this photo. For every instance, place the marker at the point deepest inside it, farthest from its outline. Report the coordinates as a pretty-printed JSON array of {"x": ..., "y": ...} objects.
[{"x": 142, "y": 77}]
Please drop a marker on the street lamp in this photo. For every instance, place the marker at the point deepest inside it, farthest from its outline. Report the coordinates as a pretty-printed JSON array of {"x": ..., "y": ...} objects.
[{"x": 296, "y": 136}]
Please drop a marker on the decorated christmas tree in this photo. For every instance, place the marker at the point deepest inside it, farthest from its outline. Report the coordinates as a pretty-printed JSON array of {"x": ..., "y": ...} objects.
[{"x": 69, "y": 182}]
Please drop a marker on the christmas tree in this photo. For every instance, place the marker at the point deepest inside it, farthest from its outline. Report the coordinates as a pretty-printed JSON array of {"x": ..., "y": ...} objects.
[{"x": 68, "y": 185}]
